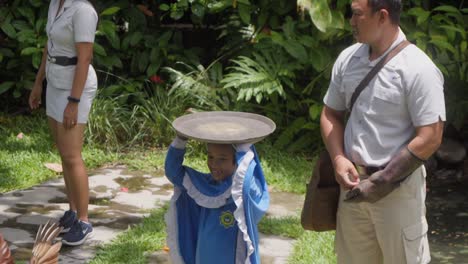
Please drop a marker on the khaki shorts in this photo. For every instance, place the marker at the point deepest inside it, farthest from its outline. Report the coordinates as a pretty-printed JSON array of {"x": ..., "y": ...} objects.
[
  {"x": 56, "y": 101},
  {"x": 392, "y": 230}
]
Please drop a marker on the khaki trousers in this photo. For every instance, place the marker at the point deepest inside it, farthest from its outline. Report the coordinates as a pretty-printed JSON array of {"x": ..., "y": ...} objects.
[{"x": 392, "y": 230}]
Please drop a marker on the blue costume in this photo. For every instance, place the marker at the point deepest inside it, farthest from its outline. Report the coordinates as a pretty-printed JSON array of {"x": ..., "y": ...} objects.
[{"x": 215, "y": 222}]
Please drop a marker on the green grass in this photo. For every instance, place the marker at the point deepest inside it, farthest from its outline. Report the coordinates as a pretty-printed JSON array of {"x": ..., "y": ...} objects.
[
  {"x": 283, "y": 171},
  {"x": 22, "y": 166},
  {"x": 281, "y": 226},
  {"x": 314, "y": 248},
  {"x": 133, "y": 245},
  {"x": 309, "y": 248},
  {"x": 22, "y": 159}
]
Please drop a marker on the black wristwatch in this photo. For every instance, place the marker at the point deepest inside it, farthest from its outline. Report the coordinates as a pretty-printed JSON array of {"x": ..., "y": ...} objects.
[{"x": 73, "y": 99}]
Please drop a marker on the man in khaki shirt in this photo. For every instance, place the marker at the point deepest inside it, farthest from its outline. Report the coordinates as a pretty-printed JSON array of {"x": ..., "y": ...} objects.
[{"x": 395, "y": 124}]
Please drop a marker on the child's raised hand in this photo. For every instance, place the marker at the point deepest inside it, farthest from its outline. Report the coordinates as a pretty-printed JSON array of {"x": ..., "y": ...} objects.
[
  {"x": 181, "y": 137},
  {"x": 243, "y": 147}
]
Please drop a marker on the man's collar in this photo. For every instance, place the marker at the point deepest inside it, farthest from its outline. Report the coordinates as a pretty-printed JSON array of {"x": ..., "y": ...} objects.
[{"x": 363, "y": 51}]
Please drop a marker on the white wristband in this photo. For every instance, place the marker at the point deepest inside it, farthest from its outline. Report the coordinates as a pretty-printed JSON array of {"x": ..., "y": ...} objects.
[{"x": 179, "y": 143}]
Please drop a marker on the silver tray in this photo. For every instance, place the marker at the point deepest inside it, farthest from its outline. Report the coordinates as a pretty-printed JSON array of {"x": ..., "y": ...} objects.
[{"x": 224, "y": 127}]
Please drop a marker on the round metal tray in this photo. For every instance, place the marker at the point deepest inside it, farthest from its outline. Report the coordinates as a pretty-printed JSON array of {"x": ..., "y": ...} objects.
[{"x": 224, "y": 127}]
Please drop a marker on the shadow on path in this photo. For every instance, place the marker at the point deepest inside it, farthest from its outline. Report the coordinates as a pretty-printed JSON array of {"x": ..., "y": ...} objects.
[{"x": 447, "y": 214}]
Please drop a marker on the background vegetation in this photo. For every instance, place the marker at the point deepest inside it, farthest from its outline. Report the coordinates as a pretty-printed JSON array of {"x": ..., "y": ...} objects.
[{"x": 156, "y": 59}]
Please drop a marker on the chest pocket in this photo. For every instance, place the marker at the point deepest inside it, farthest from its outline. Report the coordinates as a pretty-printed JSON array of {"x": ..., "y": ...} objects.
[{"x": 386, "y": 101}]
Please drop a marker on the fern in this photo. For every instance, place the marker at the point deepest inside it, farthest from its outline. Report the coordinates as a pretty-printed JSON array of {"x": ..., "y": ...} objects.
[
  {"x": 199, "y": 84},
  {"x": 260, "y": 77}
]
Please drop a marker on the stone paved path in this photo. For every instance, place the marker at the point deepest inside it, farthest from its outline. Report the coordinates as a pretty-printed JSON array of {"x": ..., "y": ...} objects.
[{"x": 112, "y": 210}]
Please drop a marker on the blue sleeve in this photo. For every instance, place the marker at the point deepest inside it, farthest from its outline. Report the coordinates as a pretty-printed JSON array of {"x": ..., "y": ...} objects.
[
  {"x": 258, "y": 195},
  {"x": 173, "y": 167}
]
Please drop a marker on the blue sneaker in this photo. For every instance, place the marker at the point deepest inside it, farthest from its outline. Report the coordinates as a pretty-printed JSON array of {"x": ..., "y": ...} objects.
[
  {"x": 79, "y": 232},
  {"x": 67, "y": 220}
]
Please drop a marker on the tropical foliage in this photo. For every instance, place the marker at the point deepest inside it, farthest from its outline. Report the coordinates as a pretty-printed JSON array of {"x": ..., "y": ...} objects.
[{"x": 158, "y": 58}]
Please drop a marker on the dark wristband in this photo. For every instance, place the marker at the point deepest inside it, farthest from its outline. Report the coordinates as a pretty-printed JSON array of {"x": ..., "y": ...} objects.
[{"x": 73, "y": 99}]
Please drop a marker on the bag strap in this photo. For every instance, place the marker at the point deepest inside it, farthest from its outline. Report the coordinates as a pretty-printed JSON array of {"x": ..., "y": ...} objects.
[{"x": 376, "y": 69}]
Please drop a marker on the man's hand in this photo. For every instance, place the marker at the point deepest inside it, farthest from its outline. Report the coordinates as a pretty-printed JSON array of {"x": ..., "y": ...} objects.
[
  {"x": 369, "y": 191},
  {"x": 345, "y": 172},
  {"x": 383, "y": 182}
]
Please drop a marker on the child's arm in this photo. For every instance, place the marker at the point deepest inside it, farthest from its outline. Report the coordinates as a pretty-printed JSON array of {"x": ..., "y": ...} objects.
[{"x": 174, "y": 159}]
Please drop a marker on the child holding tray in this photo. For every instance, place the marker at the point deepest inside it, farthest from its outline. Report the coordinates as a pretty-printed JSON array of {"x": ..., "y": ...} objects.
[{"x": 213, "y": 216}]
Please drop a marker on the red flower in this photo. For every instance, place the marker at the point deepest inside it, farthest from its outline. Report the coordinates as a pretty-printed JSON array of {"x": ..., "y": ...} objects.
[{"x": 156, "y": 79}]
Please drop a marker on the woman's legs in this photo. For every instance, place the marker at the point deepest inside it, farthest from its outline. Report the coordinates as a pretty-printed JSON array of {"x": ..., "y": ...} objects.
[
  {"x": 69, "y": 143},
  {"x": 53, "y": 124}
]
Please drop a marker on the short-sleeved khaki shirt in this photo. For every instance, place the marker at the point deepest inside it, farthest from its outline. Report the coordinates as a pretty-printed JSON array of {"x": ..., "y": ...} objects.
[
  {"x": 406, "y": 93},
  {"x": 75, "y": 22}
]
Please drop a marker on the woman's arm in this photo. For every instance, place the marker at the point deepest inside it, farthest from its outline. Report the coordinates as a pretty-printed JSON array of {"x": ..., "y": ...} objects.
[
  {"x": 36, "y": 92},
  {"x": 84, "y": 52}
]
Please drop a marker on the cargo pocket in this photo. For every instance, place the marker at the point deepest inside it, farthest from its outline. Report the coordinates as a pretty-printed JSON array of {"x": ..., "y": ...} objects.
[{"x": 416, "y": 244}]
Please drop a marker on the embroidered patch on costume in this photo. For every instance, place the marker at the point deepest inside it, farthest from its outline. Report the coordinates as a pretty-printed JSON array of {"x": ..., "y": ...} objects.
[{"x": 227, "y": 219}]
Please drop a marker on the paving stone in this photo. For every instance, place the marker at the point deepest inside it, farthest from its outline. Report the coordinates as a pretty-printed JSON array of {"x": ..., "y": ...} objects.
[
  {"x": 275, "y": 249},
  {"x": 16, "y": 235}
]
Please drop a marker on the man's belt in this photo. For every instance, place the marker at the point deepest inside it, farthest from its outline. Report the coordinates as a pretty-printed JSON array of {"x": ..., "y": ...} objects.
[
  {"x": 367, "y": 170},
  {"x": 62, "y": 60}
]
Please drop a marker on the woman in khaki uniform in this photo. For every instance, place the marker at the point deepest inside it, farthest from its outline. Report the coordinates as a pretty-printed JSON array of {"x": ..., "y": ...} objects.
[{"x": 71, "y": 87}]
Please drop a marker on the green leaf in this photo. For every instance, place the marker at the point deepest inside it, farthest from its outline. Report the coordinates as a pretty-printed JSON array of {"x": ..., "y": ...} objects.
[
  {"x": 20, "y": 25},
  {"x": 136, "y": 37},
  {"x": 296, "y": 50},
  {"x": 319, "y": 12},
  {"x": 164, "y": 39},
  {"x": 338, "y": 20},
  {"x": 28, "y": 13},
  {"x": 111, "y": 61},
  {"x": 154, "y": 55},
  {"x": 9, "y": 30},
  {"x": 318, "y": 59},
  {"x": 262, "y": 18},
  {"x": 153, "y": 68},
  {"x": 1, "y": 57},
  {"x": 463, "y": 46},
  {"x": 164, "y": 7},
  {"x": 455, "y": 29},
  {"x": 7, "y": 52},
  {"x": 244, "y": 13},
  {"x": 176, "y": 14},
  {"x": 447, "y": 8},
  {"x": 420, "y": 14},
  {"x": 198, "y": 10},
  {"x": 108, "y": 28},
  {"x": 6, "y": 86},
  {"x": 36, "y": 3},
  {"x": 29, "y": 51},
  {"x": 16, "y": 92},
  {"x": 36, "y": 60},
  {"x": 98, "y": 49},
  {"x": 26, "y": 36},
  {"x": 110, "y": 11},
  {"x": 143, "y": 62},
  {"x": 443, "y": 45},
  {"x": 314, "y": 111},
  {"x": 40, "y": 25},
  {"x": 218, "y": 6}
]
